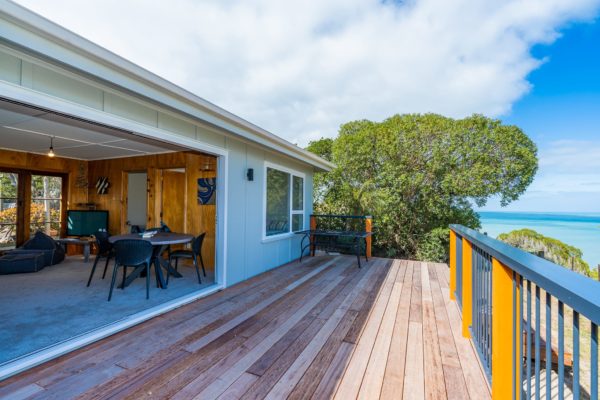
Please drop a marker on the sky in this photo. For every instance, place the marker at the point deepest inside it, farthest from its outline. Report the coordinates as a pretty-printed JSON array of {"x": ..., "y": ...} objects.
[
  {"x": 561, "y": 114},
  {"x": 300, "y": 71}
]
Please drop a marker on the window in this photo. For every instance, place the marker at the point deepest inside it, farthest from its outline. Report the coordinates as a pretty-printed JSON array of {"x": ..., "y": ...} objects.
[
  {"x": 297, "y": 203},
  {"x": 46, "y": 199},
  {"x": 8, "y": 209},
  {"x": 284, "y": 201}
]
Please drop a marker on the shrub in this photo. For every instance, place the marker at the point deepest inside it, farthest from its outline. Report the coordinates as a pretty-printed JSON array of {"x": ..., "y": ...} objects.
[{"x": 434, "y": 246}]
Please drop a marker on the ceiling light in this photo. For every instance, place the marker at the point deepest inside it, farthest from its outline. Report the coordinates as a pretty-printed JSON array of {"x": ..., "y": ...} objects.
[{"x": 51, "y": 151}]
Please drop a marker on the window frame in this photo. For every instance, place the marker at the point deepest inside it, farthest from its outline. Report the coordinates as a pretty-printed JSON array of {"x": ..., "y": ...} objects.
[
  {"x": 61, "y": 201},
  {"x": 24, "y": 199},
  {"x": 16, "y": 223},
  {"x": 292, "y": 173}
]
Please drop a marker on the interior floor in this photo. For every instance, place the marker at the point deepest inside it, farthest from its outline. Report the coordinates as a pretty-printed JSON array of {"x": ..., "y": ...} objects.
[{"x": 47, "y": 307}]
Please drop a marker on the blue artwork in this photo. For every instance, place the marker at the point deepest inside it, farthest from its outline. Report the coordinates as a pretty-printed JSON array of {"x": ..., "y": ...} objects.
[{"x": 207, "y": 190}]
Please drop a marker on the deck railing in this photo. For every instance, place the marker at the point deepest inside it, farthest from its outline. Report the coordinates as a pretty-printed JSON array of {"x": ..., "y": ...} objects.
[{"x": 500, "y": 291}]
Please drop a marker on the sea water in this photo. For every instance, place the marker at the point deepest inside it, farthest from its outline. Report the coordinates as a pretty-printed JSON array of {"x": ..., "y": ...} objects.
[{"x": 581, "y": 230}]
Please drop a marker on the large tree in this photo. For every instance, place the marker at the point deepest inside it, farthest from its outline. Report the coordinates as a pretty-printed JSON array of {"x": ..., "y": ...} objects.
[{"x": 418, "y": 172}]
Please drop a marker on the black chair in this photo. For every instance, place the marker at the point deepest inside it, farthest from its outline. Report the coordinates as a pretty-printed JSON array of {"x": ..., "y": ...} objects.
[
  {"x": 162, "y": 228},
  {"x": 105, "y": 250},
  {"x": 131, "y": 253},
  {"x": 193, "y": 254}
]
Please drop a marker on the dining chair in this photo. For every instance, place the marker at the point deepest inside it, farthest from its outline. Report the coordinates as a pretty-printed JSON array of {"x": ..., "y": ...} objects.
[
  {"x": 131, "y": 253},
  {"x": 105, "y": 250},
  {"x": 194, "y": 254}
]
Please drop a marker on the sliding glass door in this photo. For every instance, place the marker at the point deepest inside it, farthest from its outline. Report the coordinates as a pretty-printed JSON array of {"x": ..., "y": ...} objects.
[
  {"x": 8, "y": 209},
  {"x": 29, "y": 202}
]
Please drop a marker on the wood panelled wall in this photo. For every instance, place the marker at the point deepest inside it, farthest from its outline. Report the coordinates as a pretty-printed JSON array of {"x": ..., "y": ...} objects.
[
  {"x": 197, "y": 218},
  {"x": 201, "y": 218}
]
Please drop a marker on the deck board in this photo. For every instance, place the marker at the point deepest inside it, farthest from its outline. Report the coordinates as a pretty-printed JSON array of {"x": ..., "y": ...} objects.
[{"x": 319, "y": 329}]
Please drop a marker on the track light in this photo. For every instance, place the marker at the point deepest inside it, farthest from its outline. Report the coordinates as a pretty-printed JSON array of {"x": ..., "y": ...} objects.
[{"x": 51, "y": 151}]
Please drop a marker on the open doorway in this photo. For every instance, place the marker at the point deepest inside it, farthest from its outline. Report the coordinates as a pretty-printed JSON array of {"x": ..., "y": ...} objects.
[
  {"x": 95, "y": 170},
  {"x": 137, "y": 201}
]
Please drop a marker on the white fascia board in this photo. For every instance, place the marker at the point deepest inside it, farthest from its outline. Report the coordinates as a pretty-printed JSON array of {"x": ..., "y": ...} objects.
[{"x": 34, "y": 33}]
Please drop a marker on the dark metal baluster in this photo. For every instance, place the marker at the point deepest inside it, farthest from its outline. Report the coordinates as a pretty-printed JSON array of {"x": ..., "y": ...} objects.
[
  {"x": 561, "y": 350},
  {"x": 477, "y": 280},
  {"x": 537, "y": 342},
  {"x": 484, "y": 311},
  {"x": 594, "y": 362},
  {"x": 575, "y": 354},
  {"x": 528, "y": 341},
  {"x": 548, "y": 346}
]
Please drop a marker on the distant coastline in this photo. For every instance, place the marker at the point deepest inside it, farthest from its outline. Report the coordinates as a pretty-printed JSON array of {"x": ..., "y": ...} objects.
[{"x": 581, "y": 230}]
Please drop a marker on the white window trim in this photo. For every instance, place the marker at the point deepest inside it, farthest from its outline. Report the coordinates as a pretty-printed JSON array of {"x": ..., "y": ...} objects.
[{"x": 302, "y": 212}]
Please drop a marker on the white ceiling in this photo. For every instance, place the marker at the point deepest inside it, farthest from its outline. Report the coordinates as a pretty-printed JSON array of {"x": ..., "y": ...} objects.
[{"x": 28, "y": 129}]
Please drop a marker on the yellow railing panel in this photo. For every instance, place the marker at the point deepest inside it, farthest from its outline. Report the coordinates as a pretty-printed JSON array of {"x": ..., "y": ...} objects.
[
  {"x": 452, "y": 265},
  {"x": 368, "y": 228},
  {"x": 503, "y": 330}
]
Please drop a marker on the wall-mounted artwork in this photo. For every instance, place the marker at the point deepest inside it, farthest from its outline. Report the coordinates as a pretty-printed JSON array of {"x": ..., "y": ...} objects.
[
  {"x": 102, "y": 185},
  {"x": 207, "y": 190}
]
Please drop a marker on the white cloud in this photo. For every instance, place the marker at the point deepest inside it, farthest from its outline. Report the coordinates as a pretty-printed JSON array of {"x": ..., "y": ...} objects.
[
  {"x": 569, "y": 166},
  {"x": 571, "y": 156},
  {"x": 568, "y": 179},
  {"x": 299, "y": 69}
]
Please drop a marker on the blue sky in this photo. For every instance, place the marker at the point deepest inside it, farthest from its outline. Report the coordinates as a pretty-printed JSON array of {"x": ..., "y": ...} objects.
[
  {"x": 565, "y": 99},
  {"x": 562, "y": 115},
  {"x": 301, "y": 72}
]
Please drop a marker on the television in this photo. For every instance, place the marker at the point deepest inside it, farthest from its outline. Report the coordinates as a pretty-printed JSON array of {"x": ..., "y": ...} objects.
[{"x": 86, "y": 222}]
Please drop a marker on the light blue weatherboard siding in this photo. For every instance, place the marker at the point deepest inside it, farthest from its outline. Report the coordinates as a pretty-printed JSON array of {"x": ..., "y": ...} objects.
[{"x": 247, "y": 255}]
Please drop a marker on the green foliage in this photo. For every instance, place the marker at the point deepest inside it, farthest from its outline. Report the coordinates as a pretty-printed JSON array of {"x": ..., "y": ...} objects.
[
  {"x": 553, "y": 249},
  {"x": 8, "y": 185},
  {"x": 434, "y": 246},
  {"x": 45, "y": 205},
  {"x": 418, "y": 172}
]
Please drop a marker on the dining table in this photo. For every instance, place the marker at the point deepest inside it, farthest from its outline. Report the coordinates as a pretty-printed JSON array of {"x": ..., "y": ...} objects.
[{"x": 160, "y": 242}]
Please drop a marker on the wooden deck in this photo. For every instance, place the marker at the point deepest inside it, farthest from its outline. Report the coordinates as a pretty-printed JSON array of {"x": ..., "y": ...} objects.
[{"x": 320, "y": 329}]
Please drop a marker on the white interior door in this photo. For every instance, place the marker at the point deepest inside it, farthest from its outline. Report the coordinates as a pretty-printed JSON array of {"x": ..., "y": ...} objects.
[{"x": 137, "y": 199}]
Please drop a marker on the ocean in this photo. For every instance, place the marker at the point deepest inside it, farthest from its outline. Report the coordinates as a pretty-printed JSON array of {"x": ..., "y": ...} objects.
[{"x": 581, "y": 230}]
